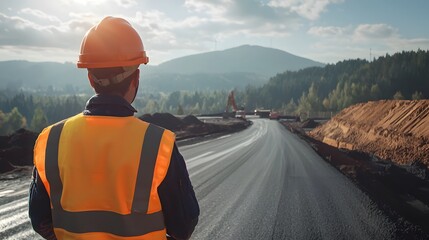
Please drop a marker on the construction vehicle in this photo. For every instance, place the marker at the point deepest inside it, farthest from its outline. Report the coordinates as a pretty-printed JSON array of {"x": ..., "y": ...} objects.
[
  {"x": 267, "y": 113},
  {"x": 237, "y": 112},
  {"x": 274, "y": 115},
  {"x": 262, "y": 113}
]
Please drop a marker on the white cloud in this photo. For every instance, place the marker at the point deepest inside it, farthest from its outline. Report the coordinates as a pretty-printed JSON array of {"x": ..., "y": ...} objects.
[
  {"x": 177, "y": 28},
  {"x": 199, "y": 24},
  {"x": 310, "y": 9},
  {"x": 213, "y": 22},
  {"x": 355, "y": 42},
  {"x": 40, "y": 14},
  {"x": 154, "y": 28},
  {"x": 18, "y": 31},
  {"x": 329, "y": 31},
  {"x": 84, "y": 2},
  {"x": 403, "y": 44},
  {"x": 242, "y": 16},
  {"x": 375, "y": 31},
  {"x": 193, "y": 22},
  {"x": 422, "y": 43},
  {"x": 126, "y": 3},
  {"x": 38, "y": 54},
  {"x": 84, "y": 16},
  {"x": 79, "y": 26},
  {"x": 210, "y": 7},
  {"x": 362, "y": 32},
  {"x": 81, "y": 22}
]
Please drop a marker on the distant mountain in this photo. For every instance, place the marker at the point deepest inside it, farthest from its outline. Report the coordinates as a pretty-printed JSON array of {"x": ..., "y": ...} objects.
[
  {"x": 218, "y": 70},
  {"x": 40, "y": 75},
  {"x": 231, "y": 68},
  {"x": 246, "y": 58}
]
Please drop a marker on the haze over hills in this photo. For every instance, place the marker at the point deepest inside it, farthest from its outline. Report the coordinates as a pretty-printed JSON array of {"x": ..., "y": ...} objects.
[
  {"x": 40, "y": 75},
  {"x": 245, "y": 58},
  {"x": 218, "y": 70},
  {"x": 231, "y": 68}
]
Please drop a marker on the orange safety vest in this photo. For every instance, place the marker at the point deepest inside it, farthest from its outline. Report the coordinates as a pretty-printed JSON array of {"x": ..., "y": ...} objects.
[{"x": 102, "y": 174}]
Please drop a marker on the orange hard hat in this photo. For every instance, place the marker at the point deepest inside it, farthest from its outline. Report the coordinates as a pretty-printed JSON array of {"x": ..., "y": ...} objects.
[{"x": 113, "y": 42}]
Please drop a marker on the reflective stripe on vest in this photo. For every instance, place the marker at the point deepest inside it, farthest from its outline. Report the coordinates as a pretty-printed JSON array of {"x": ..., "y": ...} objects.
[{"x": 138, "y": 222}]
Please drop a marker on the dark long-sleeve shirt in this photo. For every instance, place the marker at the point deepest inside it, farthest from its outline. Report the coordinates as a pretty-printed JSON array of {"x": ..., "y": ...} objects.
[{"x": 178, "y": 201}]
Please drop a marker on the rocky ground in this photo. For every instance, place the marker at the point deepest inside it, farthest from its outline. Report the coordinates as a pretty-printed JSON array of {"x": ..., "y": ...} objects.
[
  {"x": 16, "y": 150},
  {"x": 383, "y": 147}
]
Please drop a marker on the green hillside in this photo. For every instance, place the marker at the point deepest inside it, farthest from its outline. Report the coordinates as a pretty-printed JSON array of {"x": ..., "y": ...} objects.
[{"x": 403, "y": 75}]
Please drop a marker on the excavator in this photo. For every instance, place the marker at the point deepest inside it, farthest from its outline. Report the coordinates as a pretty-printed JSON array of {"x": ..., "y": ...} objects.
[{"x": 237, "y": 112}]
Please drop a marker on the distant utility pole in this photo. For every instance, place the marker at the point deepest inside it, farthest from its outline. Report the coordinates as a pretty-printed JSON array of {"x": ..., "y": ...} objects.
[
  {"x": 370, "y": 55},
  {"x": 215, "y": 44}
]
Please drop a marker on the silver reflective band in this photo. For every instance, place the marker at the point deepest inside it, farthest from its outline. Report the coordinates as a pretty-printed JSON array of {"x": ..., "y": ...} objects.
[
  {"x": 137, "y": 223},
  {"x": 116, "y": 79}
]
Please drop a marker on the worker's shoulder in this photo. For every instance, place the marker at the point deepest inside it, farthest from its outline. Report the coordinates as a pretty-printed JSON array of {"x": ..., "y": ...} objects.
[
  {"x": 47, "y": 129},
  {"x": 159, "y": 128}
]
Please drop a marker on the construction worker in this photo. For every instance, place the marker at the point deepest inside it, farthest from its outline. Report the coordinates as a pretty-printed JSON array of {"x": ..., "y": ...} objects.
[{"x": 105, "y": 174}]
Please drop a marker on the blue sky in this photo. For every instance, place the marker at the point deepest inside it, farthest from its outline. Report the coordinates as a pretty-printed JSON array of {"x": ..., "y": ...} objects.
[{"x": 323, "y": 30}]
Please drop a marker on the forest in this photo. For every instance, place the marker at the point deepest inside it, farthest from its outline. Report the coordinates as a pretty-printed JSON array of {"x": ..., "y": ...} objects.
[{"x": 403, "y": 75}]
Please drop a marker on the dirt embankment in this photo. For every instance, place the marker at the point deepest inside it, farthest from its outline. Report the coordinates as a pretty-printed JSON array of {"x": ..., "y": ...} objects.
[
  {"x": 16, "y": 150},
  {"x": 395, "y": 130},
  {"x": 383, "y": 147}
]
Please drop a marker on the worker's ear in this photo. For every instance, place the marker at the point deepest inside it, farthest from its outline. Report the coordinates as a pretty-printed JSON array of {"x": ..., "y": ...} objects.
[
  {"x": 136, "y": 78},
  {"x": 134, "y": 85},
  {"x": 91, "y": 80}
]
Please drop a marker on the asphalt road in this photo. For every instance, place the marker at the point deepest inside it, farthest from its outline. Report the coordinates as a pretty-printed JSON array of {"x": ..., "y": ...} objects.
[
  {"x": 261, "y": 183},
  {"x": 266, "y": 183}
]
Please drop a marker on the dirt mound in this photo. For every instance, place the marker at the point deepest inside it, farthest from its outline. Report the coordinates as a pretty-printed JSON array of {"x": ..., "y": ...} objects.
[
  {"x": 191, "y": 127},
  {"x": 165, "y": 120},
  {"x": 17, "y": 149},
  {"x": 395, "y": 130},
  {"x": 191, "y": 119},
  {"x": 310, "y": 123}
]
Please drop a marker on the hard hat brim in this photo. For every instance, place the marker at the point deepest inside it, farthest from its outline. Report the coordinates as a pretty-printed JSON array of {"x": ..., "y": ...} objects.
[{"x": 83, "y": 63}]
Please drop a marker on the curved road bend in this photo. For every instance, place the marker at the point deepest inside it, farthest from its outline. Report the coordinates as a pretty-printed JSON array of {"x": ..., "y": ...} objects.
[
  {"x": 261, "y": 183},
  {"x": 266, "y": 183}
]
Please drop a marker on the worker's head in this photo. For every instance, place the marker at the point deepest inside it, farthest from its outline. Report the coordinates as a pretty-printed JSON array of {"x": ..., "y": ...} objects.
[{"x": 112, "y": 52}]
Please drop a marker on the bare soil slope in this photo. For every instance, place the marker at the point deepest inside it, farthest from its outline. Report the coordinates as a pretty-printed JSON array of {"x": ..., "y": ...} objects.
[{"x": 396, "y": 130}]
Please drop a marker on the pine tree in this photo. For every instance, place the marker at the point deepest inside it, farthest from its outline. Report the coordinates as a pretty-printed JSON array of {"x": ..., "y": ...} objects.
[
  {"x": 417, "y": 95},
  {"x": 180, "y": 110},
  {"x": 3, "y": 119},
  {"x": 398, "y": 96},
  {"x": 39, "y": 120},
  {"x": 15, "y": 121}
]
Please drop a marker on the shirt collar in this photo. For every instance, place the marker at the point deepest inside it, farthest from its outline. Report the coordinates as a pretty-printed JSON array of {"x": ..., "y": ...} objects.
[{"x": 108, "y": 105}]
